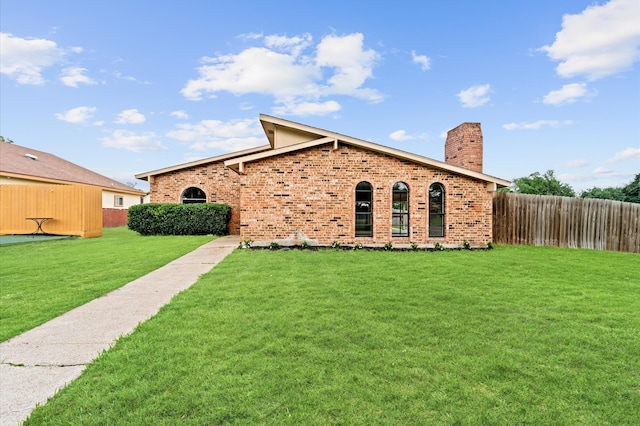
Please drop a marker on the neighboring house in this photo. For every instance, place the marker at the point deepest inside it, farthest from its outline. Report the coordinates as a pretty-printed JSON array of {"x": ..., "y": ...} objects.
[
  {"x": 319, "y": 186},
  {"x": 20, "y": 165}
]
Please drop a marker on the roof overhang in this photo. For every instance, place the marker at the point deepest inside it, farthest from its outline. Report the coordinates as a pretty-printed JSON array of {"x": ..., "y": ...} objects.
[
  {"x": 147, "y": 175},
  {"x": 237, "y": 160},
  {"x": 39, "y": 180},
  {"x": 237, "y": 163},
  {"x": 268, "y": 122}
]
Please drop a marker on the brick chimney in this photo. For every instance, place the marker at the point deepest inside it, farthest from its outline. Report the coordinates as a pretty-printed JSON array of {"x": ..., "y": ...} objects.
[{"x": 464, "y": 147}]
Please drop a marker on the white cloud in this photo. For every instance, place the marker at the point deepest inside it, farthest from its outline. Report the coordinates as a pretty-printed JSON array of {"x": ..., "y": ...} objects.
[
  {"x": 119, "y": 75},
  {"x": 581, "y": 162},
  {"x": 601, "y": 41},
  {"x": 599, "y": 177},
  {"x": 401, "y": 135},
  {"x": 254, "y": 70},
  {"x": 601, "y": 171},
  {"x": 536, "y": 125},
  {"x": 474, "y": 96},
  {"x": 627, "y": 154},
  {"x": 422, "y": 60},
  {"x": 74, "y": 76},
  {"x": 214, "y": 134},
  {"x": 250, "y": 36},
  {"x": 352, "y": 65},
  {"x": 340, "y": 65},
  {"x": 308, "y": 108},
  {"x": 568, "y": 94},
  {"x": 25, "y": 59},
  {"x": 180, "y": 114},
  {"x": 130, "y": 116},
  {"x": 293, "y": 45},
  {"x": 77, "y": 115},
  {"x": 131, "y": 141}
]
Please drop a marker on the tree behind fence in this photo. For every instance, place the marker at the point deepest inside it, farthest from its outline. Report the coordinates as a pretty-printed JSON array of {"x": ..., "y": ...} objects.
[{"x": 566, "y": 222}]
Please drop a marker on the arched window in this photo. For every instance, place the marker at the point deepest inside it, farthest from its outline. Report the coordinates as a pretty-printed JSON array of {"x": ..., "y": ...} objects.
[
  {"x": 193, "y": 195},
  {"x": 436, "y": 210},
  {"x": 400, "y": 210},
  {"x": 364, "y": 210}
]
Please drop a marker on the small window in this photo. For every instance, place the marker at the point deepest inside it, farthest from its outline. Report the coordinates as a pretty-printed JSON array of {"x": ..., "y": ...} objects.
[
  {"x": 364, "y": 210},
  {"x": 400, "y": 210},
  {"x": 436, "y": 210},
  {"x": 118, "y": 201},
  {"x": 193, "y": 195}
]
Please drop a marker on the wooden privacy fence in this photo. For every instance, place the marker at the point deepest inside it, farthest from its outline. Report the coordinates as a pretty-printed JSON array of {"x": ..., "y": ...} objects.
[
  {"x": 73, "y": 209},
  {"x": 566, "y": 222}
]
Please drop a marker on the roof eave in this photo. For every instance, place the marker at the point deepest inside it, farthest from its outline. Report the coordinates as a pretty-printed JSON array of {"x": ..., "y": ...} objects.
[
  {"x": 34, "y": 178},
  {"x": 145, "y": 175},
  {"x": 267, "y": 120}
]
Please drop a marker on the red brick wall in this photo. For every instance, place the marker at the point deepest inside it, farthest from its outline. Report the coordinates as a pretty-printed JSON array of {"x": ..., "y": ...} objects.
[
  {"x": 114, "y": 217},
  {"x": 312, "y": 191},
  {"x": 219, "y": 183},
  {"x": 464, "y": 146}
]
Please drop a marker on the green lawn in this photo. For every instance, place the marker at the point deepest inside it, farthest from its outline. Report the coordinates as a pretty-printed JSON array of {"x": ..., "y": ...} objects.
[
  {"x": 39, "y": 281},
  {"x": 516, "y": 335}
]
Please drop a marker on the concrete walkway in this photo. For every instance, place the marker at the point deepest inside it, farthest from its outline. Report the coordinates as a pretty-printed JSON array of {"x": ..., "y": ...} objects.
[{"x": 36, "y": 364}]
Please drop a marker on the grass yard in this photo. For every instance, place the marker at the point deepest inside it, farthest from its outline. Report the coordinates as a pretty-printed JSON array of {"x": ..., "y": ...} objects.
[
  {"x": 39, "y": 281},
  {"x": 516, "y": 335}
]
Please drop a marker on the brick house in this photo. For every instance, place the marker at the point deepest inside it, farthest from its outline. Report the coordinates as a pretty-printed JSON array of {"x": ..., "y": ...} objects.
[{"x": 318, "y": 186}]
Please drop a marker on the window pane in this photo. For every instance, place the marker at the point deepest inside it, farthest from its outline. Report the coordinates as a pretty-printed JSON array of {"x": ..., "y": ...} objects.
[
  {"x": 193, "y": 195},
  {"x": 436, "y": 210},
  {"x": 400, "y": 210},
  {"x": 363, "y": 210},
  {"x": 364, "y": 225},
  {"x": 400, "y": 225},
  {"x": 363, "y": 186},
  {"x": 363, "y": 206},
  {"x": 363, "y": 195},
  {"x": 436, "y": 225},
  {"x": 400, "y": 186}
]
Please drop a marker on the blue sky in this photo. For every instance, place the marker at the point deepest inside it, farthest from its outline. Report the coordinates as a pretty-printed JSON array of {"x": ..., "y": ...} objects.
[{"x": 123, "y": 87}]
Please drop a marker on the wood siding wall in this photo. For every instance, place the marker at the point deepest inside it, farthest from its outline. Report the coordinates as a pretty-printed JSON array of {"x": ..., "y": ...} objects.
[
  {"x": 75, "y": 209},
  {"x": 566, "y": 222}
]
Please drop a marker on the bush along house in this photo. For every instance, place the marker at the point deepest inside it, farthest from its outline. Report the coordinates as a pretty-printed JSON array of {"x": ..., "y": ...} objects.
[{"x": 324, "y": 188}]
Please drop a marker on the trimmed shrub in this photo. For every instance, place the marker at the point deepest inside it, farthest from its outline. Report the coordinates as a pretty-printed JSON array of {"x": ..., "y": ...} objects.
[{"x": 179, "y": 219}]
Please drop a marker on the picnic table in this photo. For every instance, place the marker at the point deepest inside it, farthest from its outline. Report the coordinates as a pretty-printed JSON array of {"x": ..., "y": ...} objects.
[{"x": 39, "y": 221}]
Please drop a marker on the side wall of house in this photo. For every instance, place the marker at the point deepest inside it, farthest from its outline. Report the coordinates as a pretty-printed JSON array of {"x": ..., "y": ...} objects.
[
  {"x": 114, "y": 217},
  {"x": 219, "y": 183},
  {"x": 311, "y": 194}
]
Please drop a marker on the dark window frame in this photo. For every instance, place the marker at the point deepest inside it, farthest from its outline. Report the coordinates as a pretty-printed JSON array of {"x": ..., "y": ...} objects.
[
  {"x": 437, "y": 209},
  {"x": 193, "y": 195},
  {"x": 400, "y": 215},
  {"x": 363, "y": 209}
]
